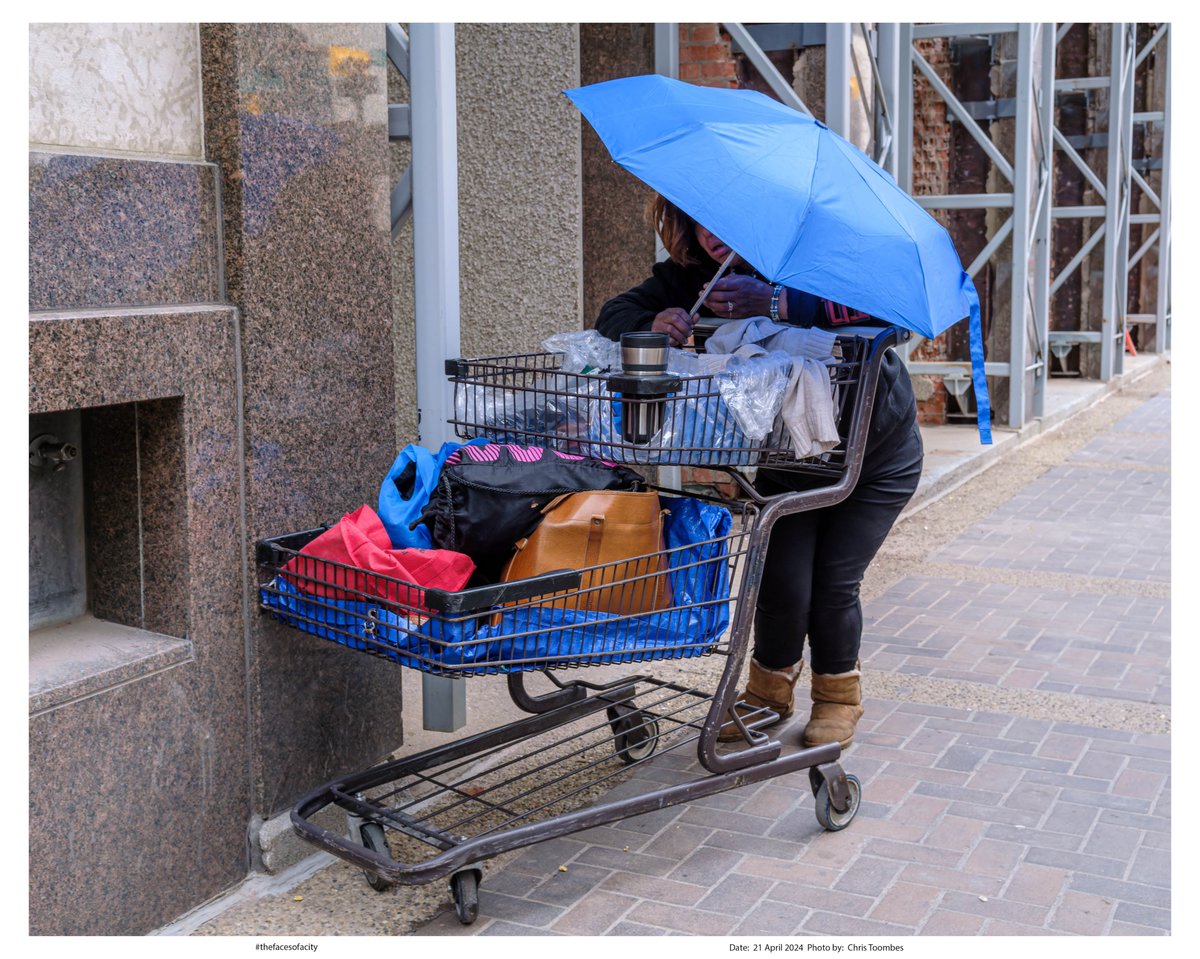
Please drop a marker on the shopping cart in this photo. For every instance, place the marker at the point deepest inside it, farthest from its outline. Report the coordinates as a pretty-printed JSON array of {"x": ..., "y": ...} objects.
[{"x": 443, "y": 811}]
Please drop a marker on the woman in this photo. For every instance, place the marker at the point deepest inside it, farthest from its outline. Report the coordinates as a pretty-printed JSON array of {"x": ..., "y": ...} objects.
[{"x": 816, "y": 560}]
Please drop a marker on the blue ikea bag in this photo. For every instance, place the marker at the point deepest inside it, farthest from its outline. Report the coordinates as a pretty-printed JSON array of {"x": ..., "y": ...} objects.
[{"x": 406, "y": 491}]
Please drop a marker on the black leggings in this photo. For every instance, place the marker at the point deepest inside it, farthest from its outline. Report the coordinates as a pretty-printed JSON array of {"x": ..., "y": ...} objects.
[{"x": 816, "y": 562}]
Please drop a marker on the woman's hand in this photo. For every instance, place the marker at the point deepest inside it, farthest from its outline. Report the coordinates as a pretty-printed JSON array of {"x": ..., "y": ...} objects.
[
  {"x": 676, "y": 323},
  {"x": 739, "y": 296}
]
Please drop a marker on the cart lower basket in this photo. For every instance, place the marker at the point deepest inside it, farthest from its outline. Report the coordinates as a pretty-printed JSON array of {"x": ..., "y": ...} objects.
[{"x": 443, "y": 811}]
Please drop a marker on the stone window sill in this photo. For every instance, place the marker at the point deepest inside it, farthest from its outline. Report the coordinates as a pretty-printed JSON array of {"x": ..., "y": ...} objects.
[{"x": 86, "y": 656}]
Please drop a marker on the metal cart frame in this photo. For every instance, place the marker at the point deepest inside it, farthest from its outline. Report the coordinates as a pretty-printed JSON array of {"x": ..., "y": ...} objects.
[{"x": 634, "y": 708}]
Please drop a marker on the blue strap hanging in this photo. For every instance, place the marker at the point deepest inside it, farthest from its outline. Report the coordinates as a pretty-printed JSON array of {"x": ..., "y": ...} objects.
[{"x": 983, "y": 406}]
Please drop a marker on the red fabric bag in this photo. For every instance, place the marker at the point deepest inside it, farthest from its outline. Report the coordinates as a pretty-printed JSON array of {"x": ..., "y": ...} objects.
[{"x": 360, "y": 540}]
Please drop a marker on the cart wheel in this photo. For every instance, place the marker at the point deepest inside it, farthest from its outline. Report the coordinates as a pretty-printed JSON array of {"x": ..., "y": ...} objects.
[
  {"x": 373, "y": 838},
  {"x": 639, "y": 741},
  {"x": 829, "y": 817},
  {"x": 465, "y": 886},
  {"x": 635, "y": 733},
  {"x": 815, "y": 779}
]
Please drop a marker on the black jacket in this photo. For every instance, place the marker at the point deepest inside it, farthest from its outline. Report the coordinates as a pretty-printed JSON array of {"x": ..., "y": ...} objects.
[{"x": 670, "y": 284}]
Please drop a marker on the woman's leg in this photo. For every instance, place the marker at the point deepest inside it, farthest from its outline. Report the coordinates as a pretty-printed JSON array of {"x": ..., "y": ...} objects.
[
  {"x": 850, "y": 536},
  {"x": 781, "y": 618}
]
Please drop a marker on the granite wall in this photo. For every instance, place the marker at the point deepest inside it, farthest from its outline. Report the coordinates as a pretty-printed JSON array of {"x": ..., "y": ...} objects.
[
  {"x": 220, "y": 334},
  {"x": 137, "y": 778},
  {"x": 296, "y": 120},
  {"x": 519, "y": 177}
]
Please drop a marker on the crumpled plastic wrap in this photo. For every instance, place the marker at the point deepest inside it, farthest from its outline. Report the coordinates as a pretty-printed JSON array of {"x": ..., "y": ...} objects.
[
  {"x": 585, "y": 351},
  {"x": 753, "y": 389}
]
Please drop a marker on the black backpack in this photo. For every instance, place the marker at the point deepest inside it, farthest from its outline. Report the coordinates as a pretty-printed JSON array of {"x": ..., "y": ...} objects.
[{"x": 488, "y": 497}]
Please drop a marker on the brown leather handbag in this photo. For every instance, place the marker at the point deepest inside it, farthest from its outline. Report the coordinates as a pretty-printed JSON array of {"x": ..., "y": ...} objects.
[{"x": 619, "y": 532}]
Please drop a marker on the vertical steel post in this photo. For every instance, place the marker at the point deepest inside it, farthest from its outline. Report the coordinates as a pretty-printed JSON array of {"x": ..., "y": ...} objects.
[
  {"x": 1162, "y": 337},
  {"x": 888, "y": 63},
  {"x": 1116, "y": 216},
  {"x": 1044, "y": 98},
  {"x": 1127, "y": 100},
  {"x": 435, "y": 268},
  {"x": 904, "y": 110},
  {"x": 666, "y": 49},
  {"x": 902, "y": 123},
  {"x": 666, "y": 62},
  {"x": 1022, "y": 193},
  {"x": 838, "y": 72}
]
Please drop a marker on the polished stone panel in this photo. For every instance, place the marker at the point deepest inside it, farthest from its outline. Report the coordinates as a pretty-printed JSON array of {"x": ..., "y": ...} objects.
[
  {"x": 139, "y": 794},
  {"x": 296, "y": 118},
  {"x": 106, "y": 232}
]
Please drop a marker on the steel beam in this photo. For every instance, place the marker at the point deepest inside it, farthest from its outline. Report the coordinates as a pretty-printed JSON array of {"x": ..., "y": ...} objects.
[
  {"x": 838, "y": 70},
  {"x": 1118, "y": 181},
  {"x": 1044, "y": 114},
  {"x": 436, "y": 283},
  {"x": 904, "y": 110},
  {"x": 1023, "y": 182},
  {"x": 888, "y": 61},
  {"x": 781, "y": 87},
  {"x": 931, "y": 30},
  {"x": 666, "y": 49},
  {"x": 1162, "y": 338},
  {"x": 964, "y": 201}
]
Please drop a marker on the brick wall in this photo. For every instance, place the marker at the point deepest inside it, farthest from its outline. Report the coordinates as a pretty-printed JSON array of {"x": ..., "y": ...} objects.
[
  {"x": 705, "y": 55},
  {"x": 931, "y": 175}
]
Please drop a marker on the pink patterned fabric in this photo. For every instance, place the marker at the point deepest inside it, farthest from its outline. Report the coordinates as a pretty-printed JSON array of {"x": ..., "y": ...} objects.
[{"x": 490, "y": 453}]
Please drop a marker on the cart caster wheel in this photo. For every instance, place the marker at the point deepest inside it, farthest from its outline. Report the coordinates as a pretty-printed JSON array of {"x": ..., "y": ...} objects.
[
  {"x": 635, "y": 734},
  {"x": 829, "y": 817},
  {"x": 373, "y": 838},
  {"x": 465, "y": 886}
]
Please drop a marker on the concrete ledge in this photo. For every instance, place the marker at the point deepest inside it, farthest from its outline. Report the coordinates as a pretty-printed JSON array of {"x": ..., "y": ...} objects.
[{"x": 277, "y": 847}]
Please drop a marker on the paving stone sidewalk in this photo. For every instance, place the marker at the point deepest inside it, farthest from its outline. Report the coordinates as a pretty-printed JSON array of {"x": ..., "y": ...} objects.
[{"x": 1010, "y": 786}]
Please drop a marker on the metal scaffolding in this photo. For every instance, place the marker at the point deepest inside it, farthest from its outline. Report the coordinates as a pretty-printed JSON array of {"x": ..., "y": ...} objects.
[{"x": 1020, "y": 247}]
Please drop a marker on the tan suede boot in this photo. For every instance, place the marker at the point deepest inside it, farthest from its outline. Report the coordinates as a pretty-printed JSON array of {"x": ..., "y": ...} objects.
[
  {"x": 837, "y": 708},
  {"x": 772, "y": 688}
]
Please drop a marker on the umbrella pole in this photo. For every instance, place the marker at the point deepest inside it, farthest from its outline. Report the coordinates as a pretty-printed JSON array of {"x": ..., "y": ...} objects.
[{"x": 711, "y": 283}]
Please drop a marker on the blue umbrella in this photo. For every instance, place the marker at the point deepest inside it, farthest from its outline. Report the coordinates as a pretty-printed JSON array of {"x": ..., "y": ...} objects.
[{"x": 805, "y": 207}]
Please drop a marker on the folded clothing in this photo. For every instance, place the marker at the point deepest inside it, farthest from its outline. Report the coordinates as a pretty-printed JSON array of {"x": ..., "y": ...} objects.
[
  {"x": 360, "y": 540},
  {"x": 808, "y": 342}
]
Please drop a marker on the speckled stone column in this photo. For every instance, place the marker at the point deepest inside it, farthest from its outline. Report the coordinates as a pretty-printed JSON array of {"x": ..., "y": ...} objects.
[
  {"x": 296, "y": 119},
  {"x": 138, "y": 792}
]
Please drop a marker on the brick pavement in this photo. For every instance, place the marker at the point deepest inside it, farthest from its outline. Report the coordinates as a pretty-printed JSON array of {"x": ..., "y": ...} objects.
[{"x": 1008, "y": 817}]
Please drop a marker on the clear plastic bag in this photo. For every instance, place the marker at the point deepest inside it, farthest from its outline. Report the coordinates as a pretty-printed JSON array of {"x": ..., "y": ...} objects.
[
  {"x": 586, "y": 351},
  {"x": 753, "y": 388}
]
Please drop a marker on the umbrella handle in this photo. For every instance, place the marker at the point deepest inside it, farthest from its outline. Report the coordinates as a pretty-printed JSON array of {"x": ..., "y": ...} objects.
[{"x": 711, "y": 283}]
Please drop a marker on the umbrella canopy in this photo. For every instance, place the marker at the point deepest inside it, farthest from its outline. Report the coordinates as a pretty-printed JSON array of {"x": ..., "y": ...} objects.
[{"x": 800, "y": 204}]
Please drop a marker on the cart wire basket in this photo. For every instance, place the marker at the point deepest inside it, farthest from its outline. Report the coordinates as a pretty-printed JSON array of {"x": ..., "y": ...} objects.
[
  {"x": 570, "y": 618},
  {"x": 443, "y": 811},
  {"x": 529, "y": 398}
]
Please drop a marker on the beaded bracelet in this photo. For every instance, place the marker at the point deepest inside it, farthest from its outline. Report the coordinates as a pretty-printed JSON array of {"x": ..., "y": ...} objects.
[{"x": 775, "y": 293}]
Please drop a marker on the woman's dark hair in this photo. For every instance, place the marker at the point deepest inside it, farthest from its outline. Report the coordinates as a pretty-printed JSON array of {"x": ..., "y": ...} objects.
[{"x": 677, "y": 230}]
